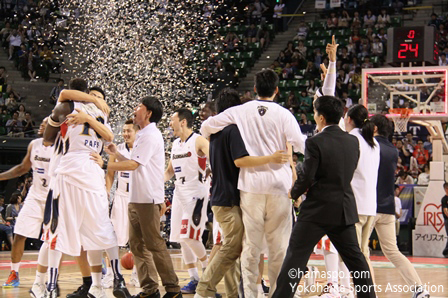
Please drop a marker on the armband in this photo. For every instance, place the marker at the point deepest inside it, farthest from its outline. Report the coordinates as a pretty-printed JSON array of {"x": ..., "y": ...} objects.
[{"x": 53, "y": 123}]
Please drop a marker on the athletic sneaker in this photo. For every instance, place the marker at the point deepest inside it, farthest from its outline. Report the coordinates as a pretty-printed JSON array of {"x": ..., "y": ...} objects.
[
  {"x": 190, "y": 288},
  {"x": 37, "y": 290},
  {"x": 13, "y": 280},
  {"x": 52, "y": 294},
  {"x": 96, "y": 292},
  {"x": 134, "y": 280},
  {"x": 81, "y": 292},
  {"x": 108, "y": 281},
  {"x": 421, "y": 294},
  {"x": 153, "y": 295},
  {"x": 265, "y": 287},
  {"x": 120, "y": 289},
  {"x": 173, "y": 295}
]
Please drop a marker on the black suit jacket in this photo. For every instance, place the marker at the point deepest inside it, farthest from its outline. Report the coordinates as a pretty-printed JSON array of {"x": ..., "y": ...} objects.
[
  {"x": 385, "y": 188},
  {"x": 331, "y": 158}
]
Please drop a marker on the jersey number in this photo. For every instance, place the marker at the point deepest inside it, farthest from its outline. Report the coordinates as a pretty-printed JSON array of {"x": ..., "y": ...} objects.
[
  {"x": 44, "y": 183},
  {"x": 127, "y": 187},
  {"x": 86, "y": 128}
]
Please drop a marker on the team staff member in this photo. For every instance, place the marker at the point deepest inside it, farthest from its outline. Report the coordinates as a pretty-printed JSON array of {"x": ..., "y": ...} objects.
[{"x": 146, "y": 198}]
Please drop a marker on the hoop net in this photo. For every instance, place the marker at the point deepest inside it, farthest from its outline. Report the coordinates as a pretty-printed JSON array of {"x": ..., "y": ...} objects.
[{"x": 401, "y": 118}]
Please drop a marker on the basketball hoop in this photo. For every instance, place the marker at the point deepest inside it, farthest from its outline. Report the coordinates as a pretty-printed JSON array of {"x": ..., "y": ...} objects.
[{"x": 401, "y": 118}]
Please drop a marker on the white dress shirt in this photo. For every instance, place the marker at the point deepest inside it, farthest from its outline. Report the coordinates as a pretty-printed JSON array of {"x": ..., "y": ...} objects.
[
  {"x": 265, "y": 128},
  {"x": 366, "y": 175},
  {"x": 147, "y": 181}
]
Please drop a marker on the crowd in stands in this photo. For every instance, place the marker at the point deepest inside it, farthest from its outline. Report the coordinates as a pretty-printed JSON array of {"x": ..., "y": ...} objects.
[{"x": 30, "y": 37}]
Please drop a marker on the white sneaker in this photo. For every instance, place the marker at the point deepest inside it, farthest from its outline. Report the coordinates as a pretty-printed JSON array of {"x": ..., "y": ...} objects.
[
  {"x": 96, "y": 292},
  {"x": 108, "y": 281},
  {"x": 310, "y": 278},
  {"x": 37, "y": 290},
  {"x": 330, "y": 291},
  {"x": 52, "y": 294},
  {"x": 421, "y": 294},
  {"x": 134, "y": 280}
]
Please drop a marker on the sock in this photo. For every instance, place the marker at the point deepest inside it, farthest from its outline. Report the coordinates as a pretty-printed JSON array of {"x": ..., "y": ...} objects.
[
  {"x": 15, "y": 267},
  {"x": 54, "y": 258},
  {"x": 114, "y": 262},
  {"x": 193, "y": 272},
  {"x": 96, "y": 278},
  {"x": 40, "y": 278},
  {"x": 109, "y": 270},
  {"x": 204, "y": 264},
  {"x": 260, "y": 288},
  {"x": 331, "y": 265},
  {"x": 345, "y": 276},
  {"x": 87, "y": 281}
]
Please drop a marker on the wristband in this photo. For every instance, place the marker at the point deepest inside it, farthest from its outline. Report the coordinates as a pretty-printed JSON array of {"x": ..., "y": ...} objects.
[{"x": 53, "y": 123}]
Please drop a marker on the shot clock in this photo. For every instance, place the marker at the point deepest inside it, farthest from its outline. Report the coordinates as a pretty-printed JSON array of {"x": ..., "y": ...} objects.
[{"x": 412, "y": 44}]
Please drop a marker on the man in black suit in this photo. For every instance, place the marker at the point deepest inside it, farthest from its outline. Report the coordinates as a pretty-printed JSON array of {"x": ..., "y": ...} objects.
[{"x": 331, "y": 158}]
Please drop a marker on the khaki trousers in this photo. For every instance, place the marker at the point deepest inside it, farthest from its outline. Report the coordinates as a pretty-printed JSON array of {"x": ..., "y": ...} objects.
[
  {"x": 270, "y": 217},
  {"x": 363, "y": 231},
  {"x": 149, "y": 249},
  {"x": 384, "y": 225},
  {"x": 224, "y": 262}
]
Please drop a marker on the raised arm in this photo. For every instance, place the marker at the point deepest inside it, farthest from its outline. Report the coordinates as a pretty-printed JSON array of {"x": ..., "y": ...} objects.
[
  {"x": 329, "y": 86},
  {"x": 20, "y": 169},
  {"x": 75, "y": 95},
  {"x": 82, "y": 117}
]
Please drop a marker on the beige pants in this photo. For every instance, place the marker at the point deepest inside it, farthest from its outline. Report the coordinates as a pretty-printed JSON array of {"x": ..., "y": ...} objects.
[
  {"x": 384, "y": 225},
  {"x": 267, "y": 216},
  {"x": 224, "y": 262},
  {"x": 149, "y": 249},
  {"x": 363, "y": 231}
]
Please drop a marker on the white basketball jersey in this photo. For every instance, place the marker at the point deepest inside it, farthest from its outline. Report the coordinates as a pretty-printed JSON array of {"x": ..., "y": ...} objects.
[
  {"x": 123, "y": 178},
  {"x": 189, "y": 168},
  {"x": 40, "y": 157},
  {"x": 77, "y": 144}
]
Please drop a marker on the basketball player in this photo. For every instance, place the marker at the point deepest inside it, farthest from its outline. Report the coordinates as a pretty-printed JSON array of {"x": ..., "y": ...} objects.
[
  {"x": 189, "y": 212},
  {"x": 80, "y": 206},
  {"x": 119, "y": 215},
  {"x": 29, "y": 221}
]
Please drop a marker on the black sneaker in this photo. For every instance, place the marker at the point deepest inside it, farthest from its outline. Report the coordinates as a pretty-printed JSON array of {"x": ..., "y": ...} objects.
[
  {"x": 217, "y": 295},
  {"x": 120, "y": 289},
  {"x": 81, "y": 292},
  {"x": 143, "y": 295},
  {"x": 264, "y": 286},
  {"x": 173, "y": 295}
]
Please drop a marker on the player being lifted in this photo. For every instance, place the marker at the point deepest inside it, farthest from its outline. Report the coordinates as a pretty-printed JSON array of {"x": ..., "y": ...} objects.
[
  {"x": 189, "y": 212},
  {"x": 80, "y": 206}
]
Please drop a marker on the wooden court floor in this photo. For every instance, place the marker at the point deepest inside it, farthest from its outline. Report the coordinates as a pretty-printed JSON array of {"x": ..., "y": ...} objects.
[{"x": 432, "y": 271}]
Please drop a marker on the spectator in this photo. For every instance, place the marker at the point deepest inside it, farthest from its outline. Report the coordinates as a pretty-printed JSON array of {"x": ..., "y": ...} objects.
[
  {"x": 410, "y": 141},
  {"x": 263, "y": 37},
  {"x": 435, "y": 22},
  {"x": 377, "y": 47},
  {"x": 304, "y": 120},
  {"x": 4, "y": 33},
  {"x": 302, "y": 49},
  {"x": 332, "y": 21},
  {"x": 282, "y": 59},
  {"x": 369, "y": 19},
  {"x": 14, "y": 126},
  {"x": 31, "y": 70},
  {"x": 288, "y": 72},
  {"x": 28, "y": 125},
  {"x": 348, "y": 100},
  {"x": 247, "y": 96},
  {"x": 4, "y": 117},
  {"x": 404, "y": 178},
  {"x": 367, "y": 63},
  {"x": 421, "y": 154},
  {"x": 442, "y": 60},
  {"x": 278, "y": 20},
  {"x": 11, "y": 103},
  {"x": 306, "y": 102},
  {"x": 15, "y": 40},
  {"x": 3, "y": 78},
  {"x": 21, "y": 110},
  {"x": 344, "y": 19},
  {"x": 54, "y": 94},
  {"x": 259, "y": 9},
  {"x": 292, "y": 103},
  {"x": 356, "y": 24},
  {"x": 14, "y": 207},
  {"x": 231, "y": 41},
  {"x": 400, "y": 167},
  {"x": 312, "y": 88},
  {"x": 311, "y": 71},
  {"x": 397, "y": 5},
  {"x": 251, "y": 34},
  {"x": 5, "y": 227},
  {"x": 443, "y": 34},
  {"x": 428, "y": 145},
  {"x": 289, "y": 50},
  {"x": 403, "y": 153},
  {"x": 302, "y": 31},
  {"x": 383, "y": 19},
  {"x": 423, "y": 178}
]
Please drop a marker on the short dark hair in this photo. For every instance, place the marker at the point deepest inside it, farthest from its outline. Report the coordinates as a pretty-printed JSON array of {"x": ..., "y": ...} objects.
[
  {"x": 78, "y": 84},
  {"x": 330, "y": 107},
  {"x": 15, "y": 197},
  {"x": 185, "y": 114},
  {"x": 445, "y": 185},
  {"x": 155, "y": 106},
  {"x": 227, "y": 98},
  {"x": 28, "y": 113},
  {"x": 266, "y": 81},
  {"x": 211, "y": 105},
  {"x": 98, "y": 89},
  {"x": 61, "y": 80},
  {"x": 383, "y": 125},
  {"x": 131, "y": 121}
]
